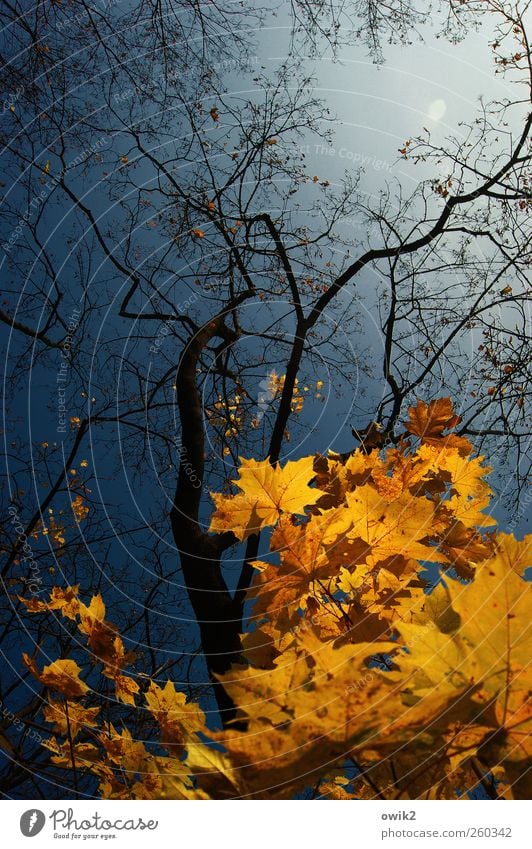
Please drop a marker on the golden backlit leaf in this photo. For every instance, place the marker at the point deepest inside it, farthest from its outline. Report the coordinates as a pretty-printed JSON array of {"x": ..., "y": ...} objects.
[
  {"x": 515, "y": 554},
  {"x": 396, "y": 527},
  {"x": 177, "y": 718},
  {"x": 126, "y": 689},
  {"x": 266, "y": 493},
  {"x": 71, "y": 716},
  {"x": 63, "y": 676}
]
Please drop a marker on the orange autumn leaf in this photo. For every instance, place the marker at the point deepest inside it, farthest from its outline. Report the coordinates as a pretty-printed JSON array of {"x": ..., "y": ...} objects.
[
  {"x": 463, "y": 547},
  {"x": 79, "y": 508},
  {"x": 103, "y": 640},
  {"x": 30, "y": 664},
  {"x": 65, "y": 600},
  {"x": 303, "y": 562},
  {"x": 430, "y": 420},
  {"x": 34, "y": 605}
]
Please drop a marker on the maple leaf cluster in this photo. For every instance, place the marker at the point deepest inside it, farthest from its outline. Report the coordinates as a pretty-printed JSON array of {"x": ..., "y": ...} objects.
[{"x": 359, "y": 676}]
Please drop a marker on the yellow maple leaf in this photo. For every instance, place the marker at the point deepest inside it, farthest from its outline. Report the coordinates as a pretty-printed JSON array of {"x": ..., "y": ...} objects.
[
  {"x": 94, "y": 612},
  {"x": 63, "y": 676},
  {"x": 128, "y": 754},
  {"x": 266, "y": 493},
  {"x": 466, "y": 473},
  {"x": 390, "y": 528},
  {"x": 71, "y": 717},
  {"x": 489, "y": 643},
  {"x": 515, "y": 554},
  {"x": 125, "y": 688},
  {"x": 177, "y": 718},
  {"x": 470, "y": 511}
]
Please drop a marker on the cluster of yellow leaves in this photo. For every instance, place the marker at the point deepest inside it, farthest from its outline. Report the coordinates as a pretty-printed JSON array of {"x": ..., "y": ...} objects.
[
  {"x": 228, "y": 415},
  {"x": 354, "y": 677},
  {"x": 276, "y": 386},
  {"x": 55, "y": 528},
  {"x": 103, "y": 641},
  {"x": 125, "y": 767},
  {"x": 345, "y": 584}
]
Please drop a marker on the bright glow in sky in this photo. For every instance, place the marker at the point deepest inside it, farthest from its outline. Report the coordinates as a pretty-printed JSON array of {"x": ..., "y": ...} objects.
[{"x": 437, "y": 110}]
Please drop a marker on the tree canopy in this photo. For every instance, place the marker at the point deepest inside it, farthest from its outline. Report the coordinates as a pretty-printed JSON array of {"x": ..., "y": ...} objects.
[{"x": 353, "y": 680}]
